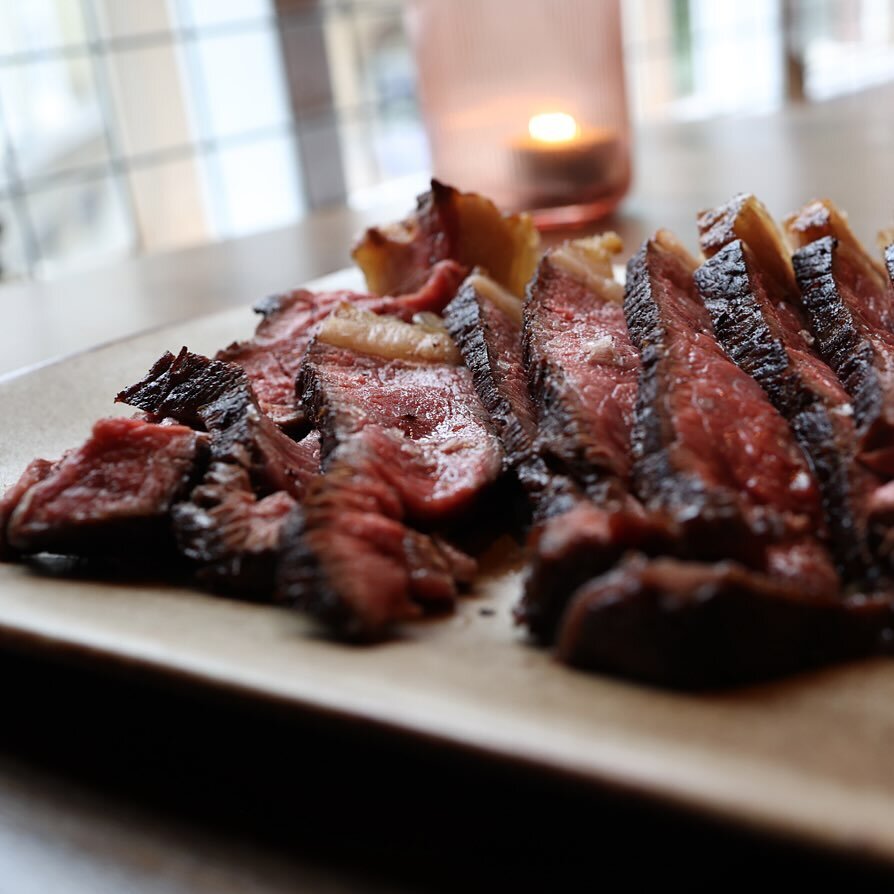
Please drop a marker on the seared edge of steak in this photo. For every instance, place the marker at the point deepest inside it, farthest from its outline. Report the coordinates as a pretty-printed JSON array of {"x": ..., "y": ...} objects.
[
  {"x": 821, "y": 218},
  {"x": 574, "y": 546},
  {"x": 349, "y": 560},
  {"x": 485, "y": 322},
  {"x": 744, "y": 301},
  {"x": 179, "y": 387},
  {"x": 699, "y": 422},
  {"x": 839, "y": 333},
  {"x": 231, "y": 535},
  {"x": 688, "y": 625}
]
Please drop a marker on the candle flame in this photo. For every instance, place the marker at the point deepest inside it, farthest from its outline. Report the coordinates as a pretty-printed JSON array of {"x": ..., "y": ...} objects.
[{"x": 553, "y": 127}]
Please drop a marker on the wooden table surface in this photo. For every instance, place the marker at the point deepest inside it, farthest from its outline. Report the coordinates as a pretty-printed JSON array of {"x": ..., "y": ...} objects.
[{"x": 126, "y": 785}]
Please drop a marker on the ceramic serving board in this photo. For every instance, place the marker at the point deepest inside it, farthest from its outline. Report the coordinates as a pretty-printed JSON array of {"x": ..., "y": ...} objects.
[{"x": 810, "y": 756}]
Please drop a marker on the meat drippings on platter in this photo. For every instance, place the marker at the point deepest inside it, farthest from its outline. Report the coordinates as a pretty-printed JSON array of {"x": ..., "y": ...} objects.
[{"x": 698, "y": 461}]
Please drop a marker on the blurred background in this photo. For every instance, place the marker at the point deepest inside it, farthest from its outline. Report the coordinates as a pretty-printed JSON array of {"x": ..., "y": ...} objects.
[{"x": 134, "y": 126}]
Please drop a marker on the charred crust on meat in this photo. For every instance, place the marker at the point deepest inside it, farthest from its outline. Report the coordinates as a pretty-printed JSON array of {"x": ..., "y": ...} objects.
[
  {"x": 838, "y": 338},
  {"x": 738, "y": 300},
  {"x": 693, "y": 626}
]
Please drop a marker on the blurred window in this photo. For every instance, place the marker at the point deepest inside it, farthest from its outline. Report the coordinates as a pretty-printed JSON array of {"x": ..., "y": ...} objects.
[{"x": 132, "y": 126}]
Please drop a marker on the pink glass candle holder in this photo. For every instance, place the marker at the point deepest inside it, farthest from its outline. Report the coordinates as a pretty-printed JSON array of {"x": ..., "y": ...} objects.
[{"x": 525, "y": 101}]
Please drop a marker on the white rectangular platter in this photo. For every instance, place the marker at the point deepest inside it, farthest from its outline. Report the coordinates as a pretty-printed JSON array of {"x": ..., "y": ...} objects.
[{"x": 810, "y": 756}]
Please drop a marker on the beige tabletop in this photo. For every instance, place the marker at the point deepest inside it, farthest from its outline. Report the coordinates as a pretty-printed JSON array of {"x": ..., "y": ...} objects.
[{"x": 74, "y": 825}]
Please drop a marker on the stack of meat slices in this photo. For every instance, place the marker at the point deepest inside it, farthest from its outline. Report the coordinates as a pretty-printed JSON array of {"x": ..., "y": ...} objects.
[{"x": 700, "y": 461}]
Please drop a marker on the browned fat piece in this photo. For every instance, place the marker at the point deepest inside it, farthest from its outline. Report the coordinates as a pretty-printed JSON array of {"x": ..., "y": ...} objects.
[
  {"x": 709, "y": 449},
  {"x": 850, "y": 302},
  {"x": 448, "y": 224},
  {"x": 748, "y": 285}
]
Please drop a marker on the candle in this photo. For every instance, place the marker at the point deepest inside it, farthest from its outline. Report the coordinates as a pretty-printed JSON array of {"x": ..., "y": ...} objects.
[{"x": 558, "y": 159}]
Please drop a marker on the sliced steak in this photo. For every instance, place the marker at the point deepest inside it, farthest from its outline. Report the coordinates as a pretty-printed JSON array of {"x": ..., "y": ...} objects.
[
  {"x": 413, "y": 399},
  {"x": 850, "y": 302},
  {"x": 582, "y": 366},
  {"x": 36, "y": 471},
  {"x": 350, "y": 560},
  {"x": 273, "y": 356},
  {"x": 749, "y": 288},
  {"x": 110, "y": 497},
  {"x": 583, "y": 371},
  {"x": 405, "y": 440},
  {"x": 231, "y": 525},
  {"x": 573, "y": 546},
  {"x": 689, "y": 625},
  {"x": 231, "y": 535},
  {"x": 217, "y": 396},
  {"x": 709, "y": 448},
  {"x": 464, "y": 227},
  {"x": 485, "y": 320}
]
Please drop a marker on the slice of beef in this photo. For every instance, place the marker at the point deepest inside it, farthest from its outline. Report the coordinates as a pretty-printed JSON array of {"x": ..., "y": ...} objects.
[
  {"x": 709, "y": 448},
  {"x": 350, "y": 560},
  {"x": 821, "y": 218},
  {"x": 273, "y": 356},
  {"x": 850, "y": 302},
  {"x": 447, "y": 223},
  {"x": 750, "y": 291},
  {"x": 689, "y": 625},
  {"x": 231, "y": 525},
  {"x": 217, "y": 396},
  {"x": 485, "y": 320},
  {"x": 405, "y": 440},
  {"x": 35, "y": 472},
  {"x": 573, "y": 546},
  {"x": 583, "y": 375},
  {"x": 231, "y": 535},
  {"x": 110, "y": 497},
  {"x": 582, "y": 367},
  {"x": 425, "y": 414}
]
